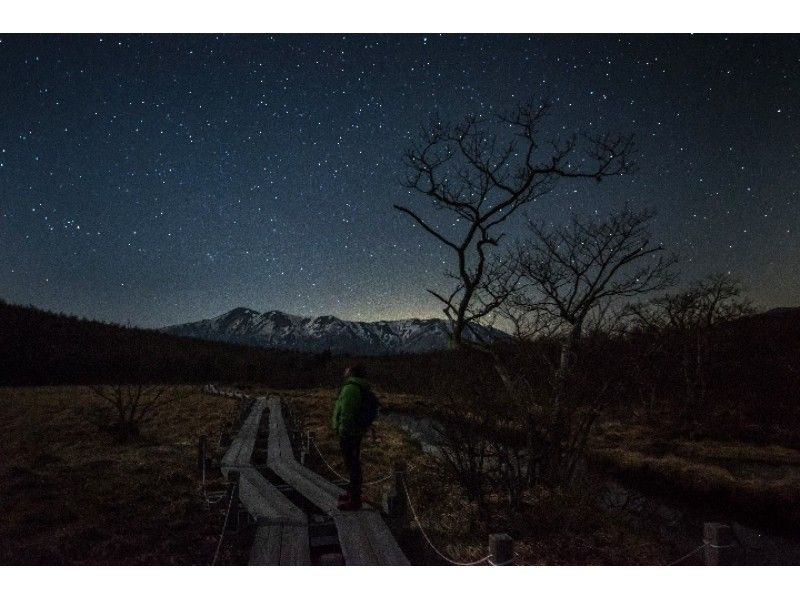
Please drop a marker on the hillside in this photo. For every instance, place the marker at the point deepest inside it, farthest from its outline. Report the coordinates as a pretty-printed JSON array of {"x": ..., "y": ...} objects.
[{"x": 39, "y": 347}]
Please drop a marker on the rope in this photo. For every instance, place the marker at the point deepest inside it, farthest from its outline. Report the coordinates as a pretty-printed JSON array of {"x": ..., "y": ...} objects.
[
  {"x": 686, "y": 556},
  {"x": 379, "y": 481},
  {"x": 213, "y": 498},
  {"x": 486, "y": 559},
  {"x": 328, "y": 465},
  {"x": 441, "y": 555},
  {"x": 341, "y": 477},
  {"x": 224, "y": 525},
  {"x": 513, "y": 559}
]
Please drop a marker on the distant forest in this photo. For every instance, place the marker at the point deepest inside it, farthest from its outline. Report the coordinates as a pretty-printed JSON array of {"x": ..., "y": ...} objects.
[
  {"x": 753, "y": 377},
  {"x": 753, "y": 370},
  {"x": 43, "y": 348}
]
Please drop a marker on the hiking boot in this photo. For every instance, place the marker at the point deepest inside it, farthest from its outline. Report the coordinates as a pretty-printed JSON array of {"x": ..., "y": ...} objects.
[{"x": 354, "y": 504}]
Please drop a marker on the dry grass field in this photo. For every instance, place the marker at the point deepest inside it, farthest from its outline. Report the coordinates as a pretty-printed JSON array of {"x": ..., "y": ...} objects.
[
  {"x": 760, "y": 482},
  {"x": 551, "y": 529},
  {"x": 555, "y": 528},
  {"x": 73, "y": 495}
]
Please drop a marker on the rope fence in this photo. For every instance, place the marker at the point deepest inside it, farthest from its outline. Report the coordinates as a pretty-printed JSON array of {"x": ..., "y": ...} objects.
[
  {"x": 340, "y": 476},
  {"x": 718, "y": 538},
  {"x": 439, "y": 553},
  {"x": 510, "y": 561},
  {"x": 213, "y": 498},
  {"x": 224, "y": 527},
  {"x": 312, "y": 442},
  {"x": 686, "y": 556},
  {"x": 424, "y": 534}
]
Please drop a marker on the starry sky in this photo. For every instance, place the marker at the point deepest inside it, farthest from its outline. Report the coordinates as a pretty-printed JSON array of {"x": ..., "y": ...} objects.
[{"x": 160, "y": 179}]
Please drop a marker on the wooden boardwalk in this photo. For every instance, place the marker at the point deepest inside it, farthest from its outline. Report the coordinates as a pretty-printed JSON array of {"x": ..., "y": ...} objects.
[
  {"x": 240, "y": 451},
  {"x": 363, "y": 536},
  {"x": 282, "y": 534},
  {"x": 282, "y": 537}
]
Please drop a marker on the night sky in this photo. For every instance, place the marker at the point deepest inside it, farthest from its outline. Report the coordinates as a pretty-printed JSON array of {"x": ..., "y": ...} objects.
[{"x": 162, "y": 179}]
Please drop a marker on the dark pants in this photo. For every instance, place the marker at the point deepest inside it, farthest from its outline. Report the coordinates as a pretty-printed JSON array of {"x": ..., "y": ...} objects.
[{"x": 351, "y": 453}]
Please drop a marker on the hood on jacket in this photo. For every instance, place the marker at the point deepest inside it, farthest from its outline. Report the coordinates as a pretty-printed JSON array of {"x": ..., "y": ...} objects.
[{"x": 361, "y": 382}]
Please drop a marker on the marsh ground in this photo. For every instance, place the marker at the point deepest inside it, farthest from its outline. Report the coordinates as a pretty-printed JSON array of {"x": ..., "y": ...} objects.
[
  {"x": 698, "y": 479},
  {"x": 71, "y": 494}
]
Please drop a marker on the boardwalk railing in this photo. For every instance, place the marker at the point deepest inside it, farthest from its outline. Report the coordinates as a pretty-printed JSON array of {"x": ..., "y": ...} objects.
[{"x": 282, "y": 537}]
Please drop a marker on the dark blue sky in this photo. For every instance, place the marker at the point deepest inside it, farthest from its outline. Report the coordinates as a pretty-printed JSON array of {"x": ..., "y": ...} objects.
[{"x": 161, "y": 179}]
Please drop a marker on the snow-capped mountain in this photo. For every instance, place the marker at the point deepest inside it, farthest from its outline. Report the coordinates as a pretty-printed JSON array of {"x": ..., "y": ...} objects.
[{"x": 285, "y": 331}]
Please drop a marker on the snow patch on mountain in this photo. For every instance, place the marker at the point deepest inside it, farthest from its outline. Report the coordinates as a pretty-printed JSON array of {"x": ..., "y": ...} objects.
[{"x": 280, "y": 330}]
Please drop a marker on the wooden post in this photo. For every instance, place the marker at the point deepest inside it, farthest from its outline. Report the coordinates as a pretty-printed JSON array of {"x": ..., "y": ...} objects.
[
  {"x": 395, "y": 500},
  {"x": 306, "y": 450},
  {"x": 202, "y": 443},
  {"x": 501, "y": 549},
  {"x": 719, "y": 544},
  {"x": 233, "y": 516}
]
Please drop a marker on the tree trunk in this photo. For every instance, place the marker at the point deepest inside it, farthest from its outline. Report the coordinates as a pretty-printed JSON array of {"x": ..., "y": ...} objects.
[
  {"x": 456, "y": 335},
  {"x": 702, "y": 365},
  {"x": 569, "y": 349}
]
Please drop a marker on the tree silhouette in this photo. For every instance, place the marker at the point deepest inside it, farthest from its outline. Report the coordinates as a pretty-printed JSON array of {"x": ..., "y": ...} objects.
[
  {"x": 481, "y": 171},
  {"x": 570, "y": 273},
  {"x": 694, "y": 315}
]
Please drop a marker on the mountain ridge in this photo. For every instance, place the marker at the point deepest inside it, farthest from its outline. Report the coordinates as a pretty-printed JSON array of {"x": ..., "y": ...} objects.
[{"x": 280, "y": 330}]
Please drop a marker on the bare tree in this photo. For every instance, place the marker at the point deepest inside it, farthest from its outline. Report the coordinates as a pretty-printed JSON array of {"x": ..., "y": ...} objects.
[
  {"x": 579, "y": 272},
  {"x": 694, "y": 314},
  {"x": 481, "y": 171},
  {"x": 526, "y": 324},
  {"x": 568, "y": 278},
  {"x": 134, "y": 406},
  {"x": 462, "y": 441}
]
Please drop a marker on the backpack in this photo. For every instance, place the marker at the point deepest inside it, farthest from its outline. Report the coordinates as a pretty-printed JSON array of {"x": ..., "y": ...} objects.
[{"x": 370, "y": 407}]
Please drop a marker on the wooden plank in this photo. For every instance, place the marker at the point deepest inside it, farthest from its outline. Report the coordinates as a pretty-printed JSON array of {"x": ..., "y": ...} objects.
[
  {"x": 266, "y": 549},
  {"x": 355, "y": 545},
  {"x": 320, "y": 481},
  {"x": 231, "y": 456},
  {"x": 363, "y": 535},
  {"x": 279, "y": 450},
  {"x": 281, "y": 544},
  {"x": 386, "y": 549},
  {"x": 365, "y": 540},
  {"x": 280, "y": 458},
  {"x": 240, "y": 451},
  {"x": 320, "y": 497},
  {"x": 265, "y": 503},
  {"x": 295, "y": 545},
  {"x": 274, "y": 443},
  {"x": 241, "y": 448},
  {"x": 279, "y": 433}
]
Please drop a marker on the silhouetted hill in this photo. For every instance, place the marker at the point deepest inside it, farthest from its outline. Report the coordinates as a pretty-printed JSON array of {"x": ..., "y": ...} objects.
[
  {"x": 753, "y": 369},
  {"x": 39, "y": 347}
]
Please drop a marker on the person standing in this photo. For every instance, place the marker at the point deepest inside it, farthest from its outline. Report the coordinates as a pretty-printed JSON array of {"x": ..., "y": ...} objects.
[{"x": 348, "y": 424}]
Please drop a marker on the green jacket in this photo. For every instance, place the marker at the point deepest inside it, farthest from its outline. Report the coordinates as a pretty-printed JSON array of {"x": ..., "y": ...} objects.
[{"x": 347, "y": 406}]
